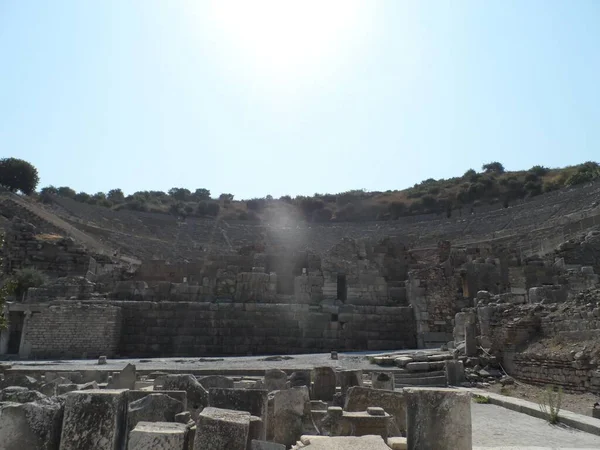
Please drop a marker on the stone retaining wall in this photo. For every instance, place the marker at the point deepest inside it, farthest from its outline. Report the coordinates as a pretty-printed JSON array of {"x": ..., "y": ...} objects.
[
  {"x": 72, "y": 331},
  {"x": 560, "y": 370},
  {"x": 153, "y": 329}
]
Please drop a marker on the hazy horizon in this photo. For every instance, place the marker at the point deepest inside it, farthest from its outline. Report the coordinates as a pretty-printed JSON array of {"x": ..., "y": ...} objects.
[{"x": 276, "y": 97}]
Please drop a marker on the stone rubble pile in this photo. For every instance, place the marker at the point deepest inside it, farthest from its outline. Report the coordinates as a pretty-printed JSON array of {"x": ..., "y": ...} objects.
[{"x": 325, "y": 409}]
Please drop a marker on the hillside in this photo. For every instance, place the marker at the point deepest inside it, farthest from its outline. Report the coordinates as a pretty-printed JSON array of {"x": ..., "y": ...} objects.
[
  {"x": 492, "y": 186},
  {"x": 534, "y": 222}
]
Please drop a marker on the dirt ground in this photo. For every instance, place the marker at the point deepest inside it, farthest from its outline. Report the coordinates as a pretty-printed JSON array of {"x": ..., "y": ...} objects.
[{"x": 577, "y": 403}]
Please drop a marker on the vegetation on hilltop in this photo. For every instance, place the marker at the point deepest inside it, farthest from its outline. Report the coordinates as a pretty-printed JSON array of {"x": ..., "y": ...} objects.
[
  {"x": 492, "y": 185},
  {"x": 18, "y": 175}
]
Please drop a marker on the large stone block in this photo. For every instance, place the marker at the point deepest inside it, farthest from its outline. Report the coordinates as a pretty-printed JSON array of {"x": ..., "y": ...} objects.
[
  {"x": 153, "y": 408},
  {"x": 218, "y": 429},
  {"x": 324, "y": 382},
  {"x": 438, "y": 419},
  {"x": 265, "y": 445},
  {"x": 275, "y": 380},
  {"x": 197, "y": 396},
  {"x": 455, "y": 372},
  {"x": 94, "y": 419},
  {"x": 125, "y": 379},
  {"x": 350, "y": 378},
  {"x": 180, "y": 396},
  {"x": 254, "y": 401},
  {"x": 34, "y": 425},
  {"x": 157, "y": 436},
  {"x": 393, "y": 402},
  {"x": 216, "y": 381},
  {"x": 382, "y": 380},
  {"x": 289, "y": 407}
]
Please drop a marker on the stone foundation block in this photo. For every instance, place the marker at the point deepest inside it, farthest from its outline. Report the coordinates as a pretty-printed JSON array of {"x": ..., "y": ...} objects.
[
  {"x": 324, "y": 382},
  {"x": 157, "y": 436},
  {"x": 94, "y": 419},
  {"x": 35, "y": 425},
  {"x": 438, "y": 419},
  {"x": 253, "y": 401},
  {"x": 218, "y": 429}
]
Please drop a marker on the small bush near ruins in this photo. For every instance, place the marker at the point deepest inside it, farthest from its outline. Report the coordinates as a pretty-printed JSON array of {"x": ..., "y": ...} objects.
[
  {"x": 18, "y": 175},
  {"x": 550, "y": 403},
  {"x": 26, "y": 278},
  {"x": 482, "y": 399}
]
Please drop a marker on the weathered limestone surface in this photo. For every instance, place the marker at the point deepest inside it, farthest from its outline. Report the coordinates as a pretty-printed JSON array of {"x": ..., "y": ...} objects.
[
  {"x": 157, "y": 436},
  {"x": 345, "y": 443},
  {"x": 34, "y": 425},
  {"x": 20, "y": 394},
  {"x": 350, "y": 378},
  {"x": 216, "y": 381},
  {"x": 265, "y": 445},
  {"x": 94, "y": 419},
  {"x": 153, "y": 408},
  {"x": 253, "y": 401},
  {"x": 455, "y": 372},
  {"x": 125, "y": 379},
  {"x": 324, "y": 383},
  {"x": 197, "y": 396},
  {"x": 180, "y": 396},
  {"x": 288, "y": 411},
  {"x": 438, "y": 419},
  {"x": 382, "y": 380},
  {"x": 275, "y": 380},
  {"x": 219, "y": 429},
  {"x": 393, "y": 402}
]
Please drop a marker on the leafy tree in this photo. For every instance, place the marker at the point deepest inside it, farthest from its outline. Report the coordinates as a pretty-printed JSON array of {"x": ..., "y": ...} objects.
[
  {"x": 493, "y": 167},
  {"x": 18, "y": 175},
  {"x": 226, "y": 198},
  {"x": 540, "y": 171},
  {"x": 201, "y": 194},
  {"x": 46, "y": 194},
  {"x": 180, "y": 194},
  {"x": 65, "y": 191},
  {"x": 116, "y": 196},
  {"x": 82, "y": 197},
  {"x": 49, "y": 190}
]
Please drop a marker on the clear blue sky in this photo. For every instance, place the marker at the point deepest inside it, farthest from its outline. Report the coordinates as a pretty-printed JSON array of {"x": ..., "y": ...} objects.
[{"x": 279, "y": 97}]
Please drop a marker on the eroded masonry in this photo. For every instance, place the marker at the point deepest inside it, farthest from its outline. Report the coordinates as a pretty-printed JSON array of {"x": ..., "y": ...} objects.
[{"x": 374, "y": 293}]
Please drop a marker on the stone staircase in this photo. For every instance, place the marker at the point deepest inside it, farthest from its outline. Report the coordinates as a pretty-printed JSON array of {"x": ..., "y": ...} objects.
[{"x": 435, "y": 378}]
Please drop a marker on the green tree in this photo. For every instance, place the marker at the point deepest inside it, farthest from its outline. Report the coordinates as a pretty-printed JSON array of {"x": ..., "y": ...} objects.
[
  {"x": 493, "y": 167},
  {"x": 18, "y": 175},
  {"x": 82, "y": 197},
  {"x": 201, "y": 194},
  {"x": 180, "y": 194},
  {"x": 65, "y": 191},
  {"x": 116, "y": 196}
]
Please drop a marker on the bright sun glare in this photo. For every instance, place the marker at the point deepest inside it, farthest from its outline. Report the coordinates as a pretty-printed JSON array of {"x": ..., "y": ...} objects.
[{"x": 280, "y": 38}]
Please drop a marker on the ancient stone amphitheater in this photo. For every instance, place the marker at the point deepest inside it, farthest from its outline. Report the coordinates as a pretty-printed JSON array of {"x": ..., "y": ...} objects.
[{"x": 498, "y": 293}]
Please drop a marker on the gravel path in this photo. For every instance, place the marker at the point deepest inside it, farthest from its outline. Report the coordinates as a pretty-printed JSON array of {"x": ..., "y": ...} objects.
[{"x": 497, "y": 427}]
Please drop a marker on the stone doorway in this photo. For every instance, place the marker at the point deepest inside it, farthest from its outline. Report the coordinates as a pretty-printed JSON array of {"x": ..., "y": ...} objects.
[{"x": 16, "y": 320}]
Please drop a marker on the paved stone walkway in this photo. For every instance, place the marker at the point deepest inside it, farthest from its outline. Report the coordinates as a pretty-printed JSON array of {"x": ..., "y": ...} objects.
[{"x": 498, "y": 428}]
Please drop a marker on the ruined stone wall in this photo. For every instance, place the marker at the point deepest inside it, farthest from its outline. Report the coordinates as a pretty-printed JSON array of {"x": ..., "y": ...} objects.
[
  {"x": 24, "y": 247},
  {"x": 559, "y": 370},
  {"x": 73, "y": 331},
  {"x": 152, "y": 329},
  {"x": 546, "y": 343},
  {"x": 436, "y": 298}
]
